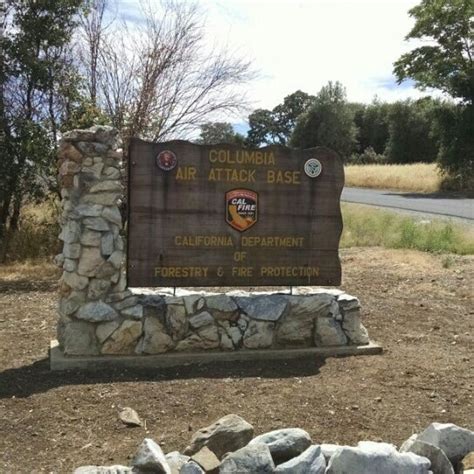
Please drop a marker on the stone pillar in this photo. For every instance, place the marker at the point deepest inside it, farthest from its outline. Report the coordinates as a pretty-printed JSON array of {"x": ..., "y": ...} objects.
[{"x": 97, "y": 314}]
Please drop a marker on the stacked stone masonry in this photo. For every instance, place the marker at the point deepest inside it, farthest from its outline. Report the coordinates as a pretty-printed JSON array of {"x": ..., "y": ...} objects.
[{"x": 100, "y": 315}]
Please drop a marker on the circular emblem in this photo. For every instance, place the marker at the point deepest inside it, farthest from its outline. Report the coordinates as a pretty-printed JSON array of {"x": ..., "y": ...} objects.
[
  {"x": 166, "y": 160},
  {"x": 313, "y": 168}
]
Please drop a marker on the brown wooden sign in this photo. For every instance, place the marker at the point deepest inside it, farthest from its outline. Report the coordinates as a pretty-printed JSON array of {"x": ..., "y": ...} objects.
[{"x": 225, "y": 216}]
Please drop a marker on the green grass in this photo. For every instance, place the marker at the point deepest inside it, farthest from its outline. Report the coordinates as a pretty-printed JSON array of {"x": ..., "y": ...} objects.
[
  {"x": 37, "y": 237},
  {"x": 365, "y": 227}
]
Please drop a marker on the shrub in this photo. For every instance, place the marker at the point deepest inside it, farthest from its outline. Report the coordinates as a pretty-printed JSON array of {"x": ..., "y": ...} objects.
[
  {"x": 368, "y": 157},
  {"x": 411, "y": 133},
  {"x": 37, "y": 234}
]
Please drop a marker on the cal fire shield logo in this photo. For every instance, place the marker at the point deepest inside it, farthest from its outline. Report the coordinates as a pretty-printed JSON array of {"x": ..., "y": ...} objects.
[{"x": 241, "y": 208}]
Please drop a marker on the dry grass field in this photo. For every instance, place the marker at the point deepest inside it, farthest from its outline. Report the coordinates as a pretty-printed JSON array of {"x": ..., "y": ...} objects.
[
  {"x": 419, "y": 177},
  {"x": 30, "y": 270}
]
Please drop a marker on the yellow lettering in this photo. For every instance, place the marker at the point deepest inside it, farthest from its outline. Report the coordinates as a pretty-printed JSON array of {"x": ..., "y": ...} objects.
[
  {"x": 240, "y": 256},
  {"x": 232, "y": 175},
  {"x": 242, "y": 157},
  {"x": 250, "y": 157},
  {"x": 283, "y": 177},
  {"x": 179, "y": 173},
  {"x": 192, "y": 171},
  {"x": 186, "y": 173},
  {"x": 203, "y": 241},
  {"x": 292, "y": 177},
  {"x": 181, "y": 272},
  {"x": 223, "y": 156},
  {"x": 244, "y": 272},
  {"x": 286, "y": 272},
  {"x": 272, "y": 241}
]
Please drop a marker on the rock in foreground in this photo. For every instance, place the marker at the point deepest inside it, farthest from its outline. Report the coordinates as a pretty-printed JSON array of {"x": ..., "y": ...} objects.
[
  {"x": 439, "y": 462},
  {"x": 376, "y": 458},
  {"x": 456, "y": 442},
  {"x": 226, "y": 435},
  {"x": 309, "y": 461},
  {"x": 284, "y": 444},
  {"x": 150, "y": 458},
  {"x": 254, "y": 459},
  {"x": 176, "y": 461},
  {"x": 116, "y": 469}
]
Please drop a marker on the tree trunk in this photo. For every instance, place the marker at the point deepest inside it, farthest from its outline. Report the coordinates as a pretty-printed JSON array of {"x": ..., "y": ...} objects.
[
  {"x": 15, "y": 217},
  {"x": 4, "y": 213}
]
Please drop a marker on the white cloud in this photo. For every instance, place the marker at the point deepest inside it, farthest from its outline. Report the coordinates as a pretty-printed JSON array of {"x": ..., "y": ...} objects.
[{"x": 303, "y": 44}]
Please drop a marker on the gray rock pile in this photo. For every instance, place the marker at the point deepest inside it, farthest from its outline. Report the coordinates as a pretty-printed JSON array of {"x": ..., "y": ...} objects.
[{"x": 228, "y": 446}]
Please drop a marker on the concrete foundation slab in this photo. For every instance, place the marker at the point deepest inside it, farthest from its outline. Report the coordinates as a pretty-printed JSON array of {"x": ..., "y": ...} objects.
[{"x": 58, "y": 361}]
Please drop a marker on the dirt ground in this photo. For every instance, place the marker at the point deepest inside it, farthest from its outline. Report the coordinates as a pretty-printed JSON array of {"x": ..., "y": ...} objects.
[{"x": 420, "y": 312}]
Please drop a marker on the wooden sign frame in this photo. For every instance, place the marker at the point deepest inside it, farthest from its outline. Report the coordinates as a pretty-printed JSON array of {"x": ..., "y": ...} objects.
[{"x": 221, "y": 215}]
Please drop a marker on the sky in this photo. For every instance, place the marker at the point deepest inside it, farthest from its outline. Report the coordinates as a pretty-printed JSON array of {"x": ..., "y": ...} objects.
[{"x": 303, "y": 44}]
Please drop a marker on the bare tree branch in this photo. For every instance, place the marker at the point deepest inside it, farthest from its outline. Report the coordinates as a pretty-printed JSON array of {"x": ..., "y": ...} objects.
[{"x": 158, "y": 79}]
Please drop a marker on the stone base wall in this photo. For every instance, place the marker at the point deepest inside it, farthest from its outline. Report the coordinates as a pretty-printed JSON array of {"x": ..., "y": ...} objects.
[
  {"x": 98, "y": 314},
  {"x": 219, "y": 322}
]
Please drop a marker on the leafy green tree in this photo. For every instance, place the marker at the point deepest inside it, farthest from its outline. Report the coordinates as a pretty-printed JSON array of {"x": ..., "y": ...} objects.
[
  {"x": 446, "y": 63},
  {"x": 412, "y": 136},
  {"x": 277, "y": 125},
  {"x": 38, "y": 85},
  {"x": 456, "y": 152},
  {"x": 261, "y": 128},
  {"x": 287, "y": 113},
  {"x": 372, "y": 125},
  {"x": 328, "y": 122},
  {"x": 84, "y": 114},
  {"x": 213, "y": 133}
]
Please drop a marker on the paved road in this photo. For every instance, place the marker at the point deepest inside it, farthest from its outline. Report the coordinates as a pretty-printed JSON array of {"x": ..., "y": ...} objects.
[{"x": 439, "y": 204}]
